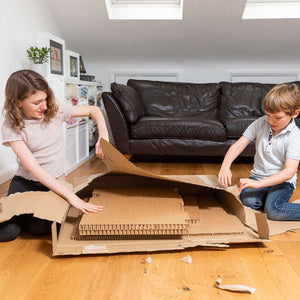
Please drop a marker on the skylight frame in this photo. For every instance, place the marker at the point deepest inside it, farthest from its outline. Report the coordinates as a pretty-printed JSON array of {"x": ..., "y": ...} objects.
[
  {"x": 145, "y": 2},
  {"x": 144, "y": 9},
  {"x": 272, "y": 9}
]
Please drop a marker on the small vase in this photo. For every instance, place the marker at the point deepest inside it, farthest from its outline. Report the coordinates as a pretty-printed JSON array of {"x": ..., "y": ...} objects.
[{"x": 40, "y": 68}]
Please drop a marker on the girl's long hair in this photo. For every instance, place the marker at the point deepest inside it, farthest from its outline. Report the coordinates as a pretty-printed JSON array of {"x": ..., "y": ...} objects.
[{"x": 23, "y": 84}]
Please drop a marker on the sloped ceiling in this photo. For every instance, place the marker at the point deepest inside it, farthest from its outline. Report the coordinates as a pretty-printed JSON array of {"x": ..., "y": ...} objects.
[{"x": 210, "y": 29}]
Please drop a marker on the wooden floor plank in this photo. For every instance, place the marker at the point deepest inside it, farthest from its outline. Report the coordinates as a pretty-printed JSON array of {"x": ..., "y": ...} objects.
[{"x": 23, "y": 266}]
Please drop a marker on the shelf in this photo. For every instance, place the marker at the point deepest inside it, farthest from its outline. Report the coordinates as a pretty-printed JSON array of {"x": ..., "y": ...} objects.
[{"x": 76, "y": 81}]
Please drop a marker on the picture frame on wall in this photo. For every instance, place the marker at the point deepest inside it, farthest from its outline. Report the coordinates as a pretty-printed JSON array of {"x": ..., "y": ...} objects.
[
  {"x": 56, "y": 58},
  {"x": 72, "y": 64}
]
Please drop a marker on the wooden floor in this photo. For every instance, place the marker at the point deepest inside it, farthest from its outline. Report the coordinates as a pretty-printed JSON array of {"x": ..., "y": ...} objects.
[{"x": 27, "y": 270}]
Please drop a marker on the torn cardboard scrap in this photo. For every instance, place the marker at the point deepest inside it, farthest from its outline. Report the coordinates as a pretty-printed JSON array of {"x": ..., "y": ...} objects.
[
  {"x": 216, "y": 216},
  {"x": 187, "y": 259},
  {"x": 234, "y": 287}
]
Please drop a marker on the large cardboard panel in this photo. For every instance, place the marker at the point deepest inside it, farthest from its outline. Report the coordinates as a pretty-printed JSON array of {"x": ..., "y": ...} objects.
[{"x": 222, "y": 217}]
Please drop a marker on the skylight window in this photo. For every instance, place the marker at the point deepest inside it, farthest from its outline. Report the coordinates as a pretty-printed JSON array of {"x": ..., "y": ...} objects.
[
  {"x": 272, "y": 9},
  {"x": 144, "y": 9}
]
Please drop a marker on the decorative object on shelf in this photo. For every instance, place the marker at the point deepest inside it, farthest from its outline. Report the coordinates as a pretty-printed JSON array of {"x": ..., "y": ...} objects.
[
  {"x": 72, "y": 64},
  {"x": 87, "y": 77},
  {"x": 38, "y": 55},
  {"x": 56, "y": 61},
  {"x": 81, "y": 64},
  {"x": 72, "y": 96},
  {"x": 83, "y": 93},
  {"x": 83, "y": 75},
  {"x": 99, "y": 96}
]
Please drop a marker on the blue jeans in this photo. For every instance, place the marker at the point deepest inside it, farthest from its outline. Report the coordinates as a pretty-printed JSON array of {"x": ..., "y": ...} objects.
[{"x": 274, "y": 200}]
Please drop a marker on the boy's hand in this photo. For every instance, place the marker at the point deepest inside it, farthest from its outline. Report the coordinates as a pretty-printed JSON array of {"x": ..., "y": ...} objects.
[
  {"x": 248, "y": 183},
  {"x": 224, "y": 177}
]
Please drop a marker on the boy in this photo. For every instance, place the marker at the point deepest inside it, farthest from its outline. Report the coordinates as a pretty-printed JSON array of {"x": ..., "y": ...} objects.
[{"x": 277, "y": 143}]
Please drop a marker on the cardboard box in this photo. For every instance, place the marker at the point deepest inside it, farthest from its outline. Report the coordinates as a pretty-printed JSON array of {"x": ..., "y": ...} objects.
[{"x": 222, "y": 217}]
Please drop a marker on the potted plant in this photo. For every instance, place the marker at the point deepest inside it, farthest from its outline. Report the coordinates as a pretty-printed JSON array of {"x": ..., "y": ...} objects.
[{"x": 38, "y": 55}]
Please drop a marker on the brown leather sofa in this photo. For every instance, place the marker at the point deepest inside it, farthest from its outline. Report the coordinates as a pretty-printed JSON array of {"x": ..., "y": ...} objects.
[{"x": 182, "y": 119}]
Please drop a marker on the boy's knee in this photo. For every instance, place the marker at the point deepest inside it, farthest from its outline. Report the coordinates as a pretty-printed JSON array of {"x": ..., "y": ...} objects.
[
  {"x": 250, "y": 203},
  {"x": 272, "y": 215},
  {"x": 253, "y": 203}
]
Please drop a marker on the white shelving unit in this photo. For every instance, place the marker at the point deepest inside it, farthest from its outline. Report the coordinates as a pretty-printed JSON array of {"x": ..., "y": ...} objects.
[{"x": 79, "y": 133}]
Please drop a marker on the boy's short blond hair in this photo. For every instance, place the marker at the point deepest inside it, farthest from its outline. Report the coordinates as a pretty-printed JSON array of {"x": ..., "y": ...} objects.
[{"x": 283, "y": 97}]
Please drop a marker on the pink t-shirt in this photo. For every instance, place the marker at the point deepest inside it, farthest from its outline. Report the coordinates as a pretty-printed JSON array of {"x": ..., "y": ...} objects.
[{"x": 44, "y": 140}]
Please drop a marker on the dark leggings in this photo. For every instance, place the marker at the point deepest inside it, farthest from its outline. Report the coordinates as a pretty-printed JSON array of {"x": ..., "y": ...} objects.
[{"x": 9, "y": 230}]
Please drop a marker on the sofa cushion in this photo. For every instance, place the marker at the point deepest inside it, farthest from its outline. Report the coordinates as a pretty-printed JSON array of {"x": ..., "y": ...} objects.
[
  {"x": 129, "y": 100},
  {"x": 235, "y": 127},
  {"x": 188, "y": 128},
  {"x": 174, "y": 99},
  {"x": 242, "y": 99}
]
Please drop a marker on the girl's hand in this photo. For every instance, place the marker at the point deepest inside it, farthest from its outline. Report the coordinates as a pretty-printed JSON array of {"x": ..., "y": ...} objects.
[
  {"x": 248, "y": 183},
  {"x": 85, "y": 207},
  {"x": 98, "y": 150},
  {"x": 224, "y": 177}
]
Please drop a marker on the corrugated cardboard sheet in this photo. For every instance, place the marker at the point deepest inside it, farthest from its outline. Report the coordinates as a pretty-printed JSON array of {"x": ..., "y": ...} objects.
[{"x": 217, "y": 217}]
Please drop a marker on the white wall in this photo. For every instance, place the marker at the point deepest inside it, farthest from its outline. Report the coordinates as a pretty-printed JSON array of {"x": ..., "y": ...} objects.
[
  {"x": 197, "y": 71},
  {"x": 19, "y": 22}
]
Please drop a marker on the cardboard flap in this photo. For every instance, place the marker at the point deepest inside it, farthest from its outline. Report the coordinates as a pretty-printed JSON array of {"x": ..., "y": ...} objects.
[
  {"x": 44, "y": 205},
  {"x": 262, "y": 226},
  {"x": 117, "y": 163}
]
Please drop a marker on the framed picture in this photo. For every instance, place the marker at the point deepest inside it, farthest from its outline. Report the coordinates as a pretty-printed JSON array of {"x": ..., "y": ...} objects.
[
  {"x": 72, "y": 64},
  {"x": 82, "y": 67},
  {"x": 56, "y": 58},
  {"x": 56, "y": 64}
]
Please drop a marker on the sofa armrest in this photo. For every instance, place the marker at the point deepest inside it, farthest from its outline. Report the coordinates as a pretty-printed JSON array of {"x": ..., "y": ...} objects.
[{"x": 117, "y": 122}]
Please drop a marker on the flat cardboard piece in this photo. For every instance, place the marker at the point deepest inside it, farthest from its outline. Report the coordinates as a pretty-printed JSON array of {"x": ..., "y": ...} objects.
[
  {"x": 135, "y": 211},
  {"x": 224, "y": 219}
]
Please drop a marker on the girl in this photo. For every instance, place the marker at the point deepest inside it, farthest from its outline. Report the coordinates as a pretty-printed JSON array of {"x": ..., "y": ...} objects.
[{"x": 33, "y": 129}]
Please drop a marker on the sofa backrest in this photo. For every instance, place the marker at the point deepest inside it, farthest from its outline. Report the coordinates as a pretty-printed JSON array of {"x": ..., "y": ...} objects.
[
  {"x": 242, "y": 99},
  {"x": 129, "y": 100},
  {"x": 173, "y": 99}
]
